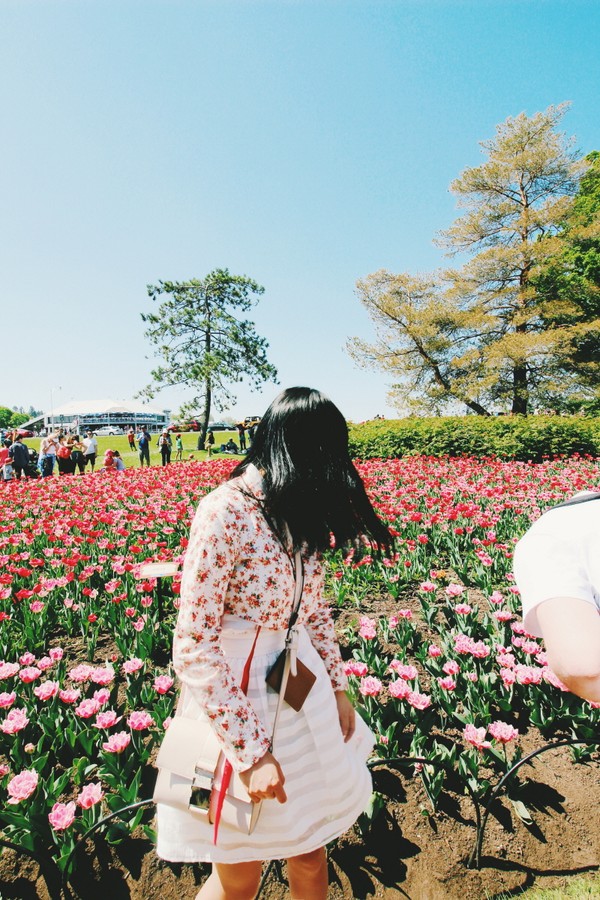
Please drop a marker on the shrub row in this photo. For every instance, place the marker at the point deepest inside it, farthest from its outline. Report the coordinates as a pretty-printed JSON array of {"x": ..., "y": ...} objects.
[{"x": 507, "y": 437}]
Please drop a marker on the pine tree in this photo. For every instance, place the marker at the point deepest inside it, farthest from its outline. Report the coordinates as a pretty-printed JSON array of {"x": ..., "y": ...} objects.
[
  {"x": 202, "y": 341},
  {"x": 485, "y": 334}
]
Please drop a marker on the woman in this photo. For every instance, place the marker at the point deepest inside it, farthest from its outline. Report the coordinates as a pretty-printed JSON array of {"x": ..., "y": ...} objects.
[
  {"x": 209, "y": 443},
  {"x": 165, "y": 444},
  {"x": 77, "y": 455},
  {"x": 179, "y": 448},
  {"x": 288, "y": 494},
  {"x": 63, "y": 456}
]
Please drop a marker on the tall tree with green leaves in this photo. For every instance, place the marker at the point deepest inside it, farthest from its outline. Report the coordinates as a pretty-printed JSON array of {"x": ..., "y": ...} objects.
[
  {"x": 484, "y": 334},
  {"x": 203, "y": 342},
  {"x": 570, "y": 284}
]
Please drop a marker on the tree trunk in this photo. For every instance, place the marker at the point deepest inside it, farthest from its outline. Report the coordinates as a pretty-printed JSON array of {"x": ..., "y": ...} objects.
[
  {"x": 207, "y": 383},
  {"x": 476, "y": 407},
  {"x": 520, "y": 390}
]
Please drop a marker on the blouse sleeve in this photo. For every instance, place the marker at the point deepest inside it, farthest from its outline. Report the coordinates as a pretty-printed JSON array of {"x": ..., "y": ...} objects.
[
  {"x": 321, "y": 630},
  {"x": 197, "y": 656}
]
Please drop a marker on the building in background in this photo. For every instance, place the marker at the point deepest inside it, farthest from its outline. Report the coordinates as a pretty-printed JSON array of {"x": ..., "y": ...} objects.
[{"x": 84, "y": 415}]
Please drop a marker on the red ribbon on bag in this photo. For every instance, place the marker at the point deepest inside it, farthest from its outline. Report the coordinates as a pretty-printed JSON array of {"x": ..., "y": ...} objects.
[{"x": 220, "y": 789}]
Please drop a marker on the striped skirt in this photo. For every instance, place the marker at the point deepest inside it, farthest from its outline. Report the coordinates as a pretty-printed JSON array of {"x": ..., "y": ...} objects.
[{"x": 327, "y": 782}]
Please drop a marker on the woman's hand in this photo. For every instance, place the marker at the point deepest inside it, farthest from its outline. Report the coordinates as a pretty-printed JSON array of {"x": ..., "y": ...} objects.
[
  {"x": 346, "y": 715},
  {"x": 264, "y": 780}
]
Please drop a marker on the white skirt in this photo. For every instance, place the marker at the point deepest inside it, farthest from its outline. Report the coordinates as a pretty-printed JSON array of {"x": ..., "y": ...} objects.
[{"x": 327, "y": 782}]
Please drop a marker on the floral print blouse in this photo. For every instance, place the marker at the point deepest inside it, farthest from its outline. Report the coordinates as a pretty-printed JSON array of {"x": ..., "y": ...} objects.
[{"x": 235, "y": 565}]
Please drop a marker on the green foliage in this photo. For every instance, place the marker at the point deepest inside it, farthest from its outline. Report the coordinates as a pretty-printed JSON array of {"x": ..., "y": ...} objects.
[
  {"x": 507, "y": 437},
  {"x": 17, "y": 419},
  {"x": 570, "y": 287},
  {"x": 6, "y": 415}
]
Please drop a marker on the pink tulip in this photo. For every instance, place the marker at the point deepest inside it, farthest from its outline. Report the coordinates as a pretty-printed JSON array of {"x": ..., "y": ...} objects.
[
  {"x": 81, "y": 673},
  {"x": 117, "y": 743},
  {"x": 403, "y": 670},
  {"x": 71, "y": 695},
  {"x": 399, "y": 689},
  {"x": 102, "y": 675},
  {"x": 463, "y": 609},
  {"x": 15, "y": 721},
  {"x": 164, "y": 683},
  {"x": 138, "y": 721},
  {"x": 46, "y": 690},
  {"x": 22, "y": 786},
  {"x": 8, "y": 670},
  {"x": 130, "y": 666},
  {"x": 451, "y": 667},
  {"x": 503, "y": 732},
  {"x": 87, "y": 709},
  {"x": 419, "y": 701},
  {"x": 476, "y": 737},
  {"x": 90, "y": 795},
  {"x": 428, "y": 587},
  {"x": 107, "y": 719},
  {"x": 102, "y": 696},
  {"x": 29, "y": 674},
  {"x": 369, "y": 686},
  {"x": 62, "y": 816}
]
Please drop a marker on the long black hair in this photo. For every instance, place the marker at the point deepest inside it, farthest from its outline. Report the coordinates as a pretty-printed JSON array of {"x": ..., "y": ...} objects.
[{"x": 310, "y": 483}]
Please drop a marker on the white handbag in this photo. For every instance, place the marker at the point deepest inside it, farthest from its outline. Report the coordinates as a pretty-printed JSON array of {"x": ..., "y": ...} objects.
[{"x": 188, "y": 767}]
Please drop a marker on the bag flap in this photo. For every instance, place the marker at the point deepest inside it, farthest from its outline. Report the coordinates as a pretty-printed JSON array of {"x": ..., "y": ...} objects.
[{"x": 188, "y": 743}]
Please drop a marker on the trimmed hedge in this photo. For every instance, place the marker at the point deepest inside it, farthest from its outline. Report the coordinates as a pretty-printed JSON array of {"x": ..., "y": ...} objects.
[{"x": 509, "y": 437}]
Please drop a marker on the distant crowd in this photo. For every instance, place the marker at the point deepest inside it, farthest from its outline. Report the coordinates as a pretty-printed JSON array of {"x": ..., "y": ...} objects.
[{"x": 72, "y": 454}]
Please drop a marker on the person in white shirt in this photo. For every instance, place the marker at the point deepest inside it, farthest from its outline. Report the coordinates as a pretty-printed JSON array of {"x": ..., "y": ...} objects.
[
  {"x": 557, "y": 571},
  {"x": 90, "y": 449},
  {"x": 47, "y": 457}
]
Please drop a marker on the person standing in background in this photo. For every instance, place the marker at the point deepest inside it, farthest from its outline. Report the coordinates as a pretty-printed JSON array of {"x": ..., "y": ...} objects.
[
  {"x": 165, "y": 444},
  {"x": 77, "y": 455},
  {"x": 48, "y": 447},
  {"x": 63, "y": 457},
  {"x": 90, "y": 449},
  {"x": 179, "y": 448},
  {"x": 143, "y": 440},
  {"x": 5, "y": 463},
  {"x": 19, "y": 455},
  {"x": 241, "y": 430},
  {"x": 209, "y": 443},
  {"x": 131, "y": 438}
]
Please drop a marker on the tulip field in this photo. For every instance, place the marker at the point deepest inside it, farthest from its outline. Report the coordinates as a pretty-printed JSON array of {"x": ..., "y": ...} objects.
[{"x": 437, "y": 658}]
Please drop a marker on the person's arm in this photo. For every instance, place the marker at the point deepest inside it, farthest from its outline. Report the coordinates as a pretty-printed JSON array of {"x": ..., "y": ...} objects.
[
  {"x": 197, "y": 655},
  {"x": 571, "y": 631}
]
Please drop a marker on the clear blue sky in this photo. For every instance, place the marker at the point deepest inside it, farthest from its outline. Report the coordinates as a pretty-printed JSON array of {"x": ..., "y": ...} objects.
[{"x": 305, "y": 144}]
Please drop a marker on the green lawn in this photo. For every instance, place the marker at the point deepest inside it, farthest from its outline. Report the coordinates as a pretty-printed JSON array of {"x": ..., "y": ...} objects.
[
  {"x": 574, "y": 888},
  {"x": 190, "y": 442}
]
